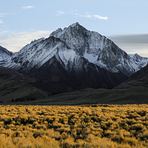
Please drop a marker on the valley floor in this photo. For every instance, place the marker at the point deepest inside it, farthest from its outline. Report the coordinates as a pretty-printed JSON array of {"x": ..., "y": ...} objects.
[{"x": 74, "y": 126}]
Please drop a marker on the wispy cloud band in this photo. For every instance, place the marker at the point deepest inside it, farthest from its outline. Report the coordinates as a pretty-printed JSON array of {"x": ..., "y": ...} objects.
[
  {"x": 85, "y": 15},
  {"x": 27, "y": 7},
  {"x": 94, "y": 16},
  {"x": 59, "y": 13},
  {"x": 15, "y": 41}
]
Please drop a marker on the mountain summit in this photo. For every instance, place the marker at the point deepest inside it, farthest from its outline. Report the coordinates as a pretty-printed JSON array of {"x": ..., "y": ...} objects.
[
  {"x": 75, "y": 58},
  {"x": 73, "y": 43},
  {"x": 98, "y": 49}
]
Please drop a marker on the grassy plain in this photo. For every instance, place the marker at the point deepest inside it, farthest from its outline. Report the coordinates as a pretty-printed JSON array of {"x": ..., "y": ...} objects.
[{"x": 104, "y": 126}]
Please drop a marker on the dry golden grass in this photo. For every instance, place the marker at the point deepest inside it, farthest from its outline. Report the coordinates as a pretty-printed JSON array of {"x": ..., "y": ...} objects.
[{"x": 74, "y": 126}]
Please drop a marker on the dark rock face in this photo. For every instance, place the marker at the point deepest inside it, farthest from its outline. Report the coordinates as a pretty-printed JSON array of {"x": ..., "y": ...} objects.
[{"x": 53, "y": 77}]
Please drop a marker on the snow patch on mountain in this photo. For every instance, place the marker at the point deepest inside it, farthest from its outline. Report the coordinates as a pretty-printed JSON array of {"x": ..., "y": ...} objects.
[
  {"x": 67, "y": 55},
  {"x": 91, "y": 57},
  {"x": 5, "y": 55}
]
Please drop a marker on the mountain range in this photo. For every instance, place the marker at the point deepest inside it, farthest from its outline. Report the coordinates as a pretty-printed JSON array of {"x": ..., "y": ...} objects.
[{"x": 70, "y": 59}]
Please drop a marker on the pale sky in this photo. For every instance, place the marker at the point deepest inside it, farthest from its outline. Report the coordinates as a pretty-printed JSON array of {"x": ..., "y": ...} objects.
[{"x": 22, "y": 21}]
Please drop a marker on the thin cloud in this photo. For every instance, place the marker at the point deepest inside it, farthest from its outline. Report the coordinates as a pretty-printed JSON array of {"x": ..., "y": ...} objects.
[
  {"x": 133, "y": 43},
  {"x": 100, "y": 17},
  {"x": 59, "y": 13},
  {"x": 86, "y": 15},
  {"x": 15, "y": 41},
  {"x": 27, "y": 7},
  {"x": 93, "y": 16}
]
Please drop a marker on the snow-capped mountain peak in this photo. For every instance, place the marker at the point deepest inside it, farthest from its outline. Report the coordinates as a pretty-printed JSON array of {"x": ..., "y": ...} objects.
[
  {"x": 98, "y": 49},
  {"x": 76, "y": 42}
]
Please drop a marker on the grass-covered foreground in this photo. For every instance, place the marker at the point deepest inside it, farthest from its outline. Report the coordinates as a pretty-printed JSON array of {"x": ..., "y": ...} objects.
[{"x": 74, "y": 126}]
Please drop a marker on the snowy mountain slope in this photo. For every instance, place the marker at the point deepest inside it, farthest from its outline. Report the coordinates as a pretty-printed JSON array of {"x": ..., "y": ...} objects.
[
  {"x": 72, "y": 44},
  {"x": 37, "y": 53},
  {"x": 139, "y": 61},
  {"x": 99, "y": 49},
  {"x": 5, "y": 55}
]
